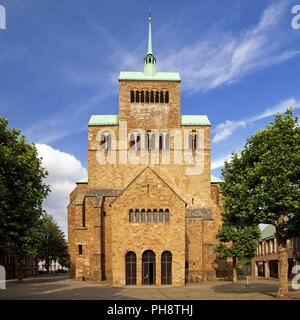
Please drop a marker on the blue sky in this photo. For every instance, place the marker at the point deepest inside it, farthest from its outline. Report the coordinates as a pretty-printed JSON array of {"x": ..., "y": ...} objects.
[{"x": 239, "y": 63}]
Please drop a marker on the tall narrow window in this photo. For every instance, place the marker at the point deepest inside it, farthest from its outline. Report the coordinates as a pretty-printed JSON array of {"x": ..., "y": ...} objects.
[
  {"x": 132, "y": 141},
  {"x": 167, "y": 97},
  {"x": 167, "y": 215},
  {"x": 147, "y": 141},
  {"x": 137, "y": 215},
  {"x": 147, "y": 96},
  {"x": 152, "y": 96},
  {"x": 195, "y": 140},
  {"x": 148, "y": 188},
  {"x": 137, "y": 98},
  {"x": 161, "y": 215},
  {"x": 131, "y": 215},
  {"x": 166, "y": 267},
  {"x": 142, "y": 96},
  {"x": 83, "y": 213},
  {"x": 80, "y": 249},
  {"x": 154, "y": 215},
  {"x": 132, "y": 96},
  {"x": 149, "y": 215},
  {"x": 161, "y": 97},
  {"x": 130, "y": 266},
  {"x": 160, "y": 142},
  {"x": 156, "y": 96},
  {"x": 143, "y": 215},
  {"x": 191, "y": 141}
]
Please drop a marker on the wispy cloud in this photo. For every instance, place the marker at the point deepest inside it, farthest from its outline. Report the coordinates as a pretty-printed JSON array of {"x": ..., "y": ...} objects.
[
  {"x": 224, "y": 58},
  {"x": 226, "y": 129},
  {"x": 220, "y": 162}
]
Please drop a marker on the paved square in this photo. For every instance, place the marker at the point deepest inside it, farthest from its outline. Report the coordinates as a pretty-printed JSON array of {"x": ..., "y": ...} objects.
[{"x": 61, "y": 287}]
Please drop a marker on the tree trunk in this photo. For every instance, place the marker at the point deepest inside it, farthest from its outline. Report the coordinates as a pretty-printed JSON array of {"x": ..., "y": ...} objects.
[
  {"x": 234, "y": 270},
  {"x": 47, "y": 265},
  {"x": 283, "y": 291},
  {"x": 20, "y": 270}
]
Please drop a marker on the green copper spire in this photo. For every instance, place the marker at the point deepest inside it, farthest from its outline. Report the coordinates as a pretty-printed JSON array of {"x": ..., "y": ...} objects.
[
  {"x": 150, "y": 38},
  {"x": 149, "y": 60}
]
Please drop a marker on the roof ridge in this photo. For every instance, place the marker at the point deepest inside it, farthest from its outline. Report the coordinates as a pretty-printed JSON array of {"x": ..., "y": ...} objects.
[{"x": 136, "y": 177}]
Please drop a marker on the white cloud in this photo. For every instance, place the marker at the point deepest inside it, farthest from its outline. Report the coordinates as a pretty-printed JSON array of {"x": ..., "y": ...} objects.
[
  {"x": 226, "y": 129},
  {"x": 220, "y": 162},
  {"x": 223, "y": 58},
  {"x": 64, "y": 170},
  {"x": 280, "y": 107}
]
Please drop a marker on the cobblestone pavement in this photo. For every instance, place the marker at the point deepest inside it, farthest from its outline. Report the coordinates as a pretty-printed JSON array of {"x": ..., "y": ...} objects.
[{"x": 60, "y": 287}]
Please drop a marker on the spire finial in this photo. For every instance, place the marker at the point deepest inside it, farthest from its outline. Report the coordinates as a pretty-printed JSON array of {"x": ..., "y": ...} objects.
[{"x": 150, "y": 35}]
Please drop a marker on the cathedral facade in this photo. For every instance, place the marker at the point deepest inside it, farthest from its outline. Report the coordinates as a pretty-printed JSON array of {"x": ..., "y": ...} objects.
[{"x": 149, "y": 210}]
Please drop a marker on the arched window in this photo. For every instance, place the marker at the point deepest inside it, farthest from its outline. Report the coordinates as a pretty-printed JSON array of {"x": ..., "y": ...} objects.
[
  {"x": 161, "y": 215},
  {"x": 142, "y": 96},
  {"x": 164, "y": 140},
  {"x": 166, "y": 267},
  {"x": 167, "y": 97},
  {"x": 160, "y": 142},
  {"x": 167, "y": 215},
  {"x": 193, "y": 140},
  {"x": 131, "y": 219},
  {"x": 105, "y": 141},
  {"x": 143, "y": 215},
  {"x": 156, "y": 96},
  {"x": 148, "y": 267},
  {"x": 130, "y": 262},
  {"x": 152, "y": 96},
  {"x": 154, "y": 215},
  {"x": 149, "y": 215},
  {"x": 147, "y": 141},
  {"x": 135, "y": 140},
  {"x": 137, "y": 98},
  {"x": 137, "y": 215},
  {"x": 147, "y": 96},
  {"x": 132, "y": 96},
  {"x": 161, "y": 97}
]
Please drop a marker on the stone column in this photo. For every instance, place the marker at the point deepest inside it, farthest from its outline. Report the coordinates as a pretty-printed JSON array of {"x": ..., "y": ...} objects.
[
  {"x": 266, "y": 269},
  {"x": 255, "y": 269},
  {"x": 139, "y": 268}
]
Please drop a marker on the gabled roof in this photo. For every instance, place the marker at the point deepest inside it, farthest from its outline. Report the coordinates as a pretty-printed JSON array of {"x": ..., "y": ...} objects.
[
  {"x": 157, "y": 176},
  {"x": 268, "y": 232}
]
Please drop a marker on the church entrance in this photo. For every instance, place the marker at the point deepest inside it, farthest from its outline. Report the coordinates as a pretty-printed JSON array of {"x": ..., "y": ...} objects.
[
  {"x": 130, "y": 268},
  {"x": 148, "y": 267}
]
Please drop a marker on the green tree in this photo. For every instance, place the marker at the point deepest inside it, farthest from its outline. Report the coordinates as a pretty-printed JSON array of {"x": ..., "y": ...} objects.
[
  {"x": 64, "y": 260},
  {"x": 52, "y": 244},
  {"x": 22, "y": 191},
  {"x": 261, "y": 185},
  {"x": 237, "y": 242}
]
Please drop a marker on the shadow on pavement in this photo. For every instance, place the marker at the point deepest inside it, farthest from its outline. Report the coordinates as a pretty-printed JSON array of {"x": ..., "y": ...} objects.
[{"x": 262, "y": 288}]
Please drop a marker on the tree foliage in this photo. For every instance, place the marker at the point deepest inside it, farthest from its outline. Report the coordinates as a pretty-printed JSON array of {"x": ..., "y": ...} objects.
[
  {"x": 22, "y": 191},
  {"x": 241, "y": 241},
  {"x": 261, "y": 185},
  {"x": 53, "y": 245}
]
